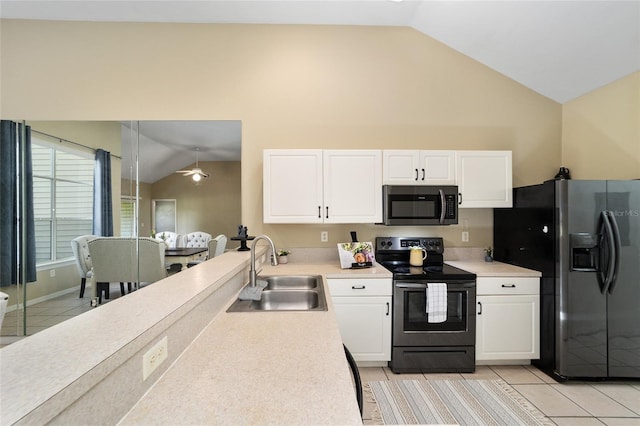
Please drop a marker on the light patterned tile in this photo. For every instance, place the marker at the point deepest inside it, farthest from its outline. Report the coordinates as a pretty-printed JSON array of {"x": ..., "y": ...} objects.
[
  {"x": 516, "y": 374},
  {"x": 540, "y": 374},
  {"x": 393, "y": 376},
  {"x": 483, "y": 372},
  {"x": 625, "y": 394},
  {"x": 576, "y": 421},
  {"x": 372, "y": 374},
  {"x": 593, "y": 401},
  {"x": 551, "y": 402},
  {"x": 619, "y": 421}
]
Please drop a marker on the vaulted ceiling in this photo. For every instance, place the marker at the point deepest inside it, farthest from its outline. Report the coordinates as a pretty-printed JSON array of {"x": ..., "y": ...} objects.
[{"x": 560, "y": 49}]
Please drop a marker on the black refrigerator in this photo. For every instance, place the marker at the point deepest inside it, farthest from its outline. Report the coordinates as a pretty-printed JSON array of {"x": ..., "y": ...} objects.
[{"x": 584, "y": 236}]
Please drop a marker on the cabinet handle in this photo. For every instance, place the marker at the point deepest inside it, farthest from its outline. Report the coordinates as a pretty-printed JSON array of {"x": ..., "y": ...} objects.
[
  {"x": 508, "y": 286},
  {"x": 387, "y": 308},
  {"x": 459, "y": 198},
  {"x": 423, "y": 174},
  {"x": 327, "y": 212},
  {"x": 416, "y": 174},
  {"x": 480, "y": 306},
  {"x": 358, "y": 287},
  {"x": 319, "y": 212}
]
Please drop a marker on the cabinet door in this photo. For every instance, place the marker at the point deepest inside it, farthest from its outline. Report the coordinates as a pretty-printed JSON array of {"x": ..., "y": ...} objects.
[
  {"x": 400, "y": 167},
  {"x": 484, "y": 178},
  {"x": 352, "y": 186},
  {"x": 365, "y": 326},
  {"x": 437, "y": 168},
  {"x": 507, "y": 327},
  {"x": 292, "y": 186}
]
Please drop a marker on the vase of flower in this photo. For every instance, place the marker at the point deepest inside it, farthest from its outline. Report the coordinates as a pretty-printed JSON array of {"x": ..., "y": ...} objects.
[
  {"x": 488, "y": 255},
  {"x": 283, "y": 256}
]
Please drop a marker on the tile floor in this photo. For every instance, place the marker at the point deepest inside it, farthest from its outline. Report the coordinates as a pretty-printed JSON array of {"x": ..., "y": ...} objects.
[
  {"x": 48, "y": 313},
  {"x": 566, "y": 404}
]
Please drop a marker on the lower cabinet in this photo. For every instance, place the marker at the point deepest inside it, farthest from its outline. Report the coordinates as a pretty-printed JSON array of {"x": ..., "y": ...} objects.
[
  {"x": 363, "y": 310},
  {"x": 507, "y": 318}
]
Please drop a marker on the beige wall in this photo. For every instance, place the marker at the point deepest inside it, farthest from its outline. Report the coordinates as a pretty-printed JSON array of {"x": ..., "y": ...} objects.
[
  {"x": 292, "y": 86},
  {"x": 601, "y": 132},
  {"x": 212, "y": 206}
]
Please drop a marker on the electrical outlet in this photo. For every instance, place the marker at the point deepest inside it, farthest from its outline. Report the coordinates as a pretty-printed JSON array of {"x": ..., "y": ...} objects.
[
  {"x": 52, "y": 273},
  {"x": 154, "y": 357},
  {"x": 324, "y": 236},
  {"x": 465, "y": 236}
]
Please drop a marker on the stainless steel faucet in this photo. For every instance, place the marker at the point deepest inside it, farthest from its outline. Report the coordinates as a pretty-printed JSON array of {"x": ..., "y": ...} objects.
[{"x": 274, "y": 261}]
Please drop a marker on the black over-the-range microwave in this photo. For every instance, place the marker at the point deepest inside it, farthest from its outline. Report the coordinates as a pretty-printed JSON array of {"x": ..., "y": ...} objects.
[{"x": 419, "y": 205}]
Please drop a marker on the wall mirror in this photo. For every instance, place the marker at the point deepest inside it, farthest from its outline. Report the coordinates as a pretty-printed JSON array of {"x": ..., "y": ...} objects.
[{"x": 145, "y": 159}]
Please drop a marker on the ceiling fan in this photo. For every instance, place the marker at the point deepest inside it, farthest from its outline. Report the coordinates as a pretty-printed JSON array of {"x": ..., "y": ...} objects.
[{"x": 196, "y": 173}]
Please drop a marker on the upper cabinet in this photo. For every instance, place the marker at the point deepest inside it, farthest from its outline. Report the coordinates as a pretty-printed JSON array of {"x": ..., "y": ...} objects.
[
  {"x": 322, "y": 186},
  {"x": 407, "y": 167},
  {"x": 484, "y": 178}
]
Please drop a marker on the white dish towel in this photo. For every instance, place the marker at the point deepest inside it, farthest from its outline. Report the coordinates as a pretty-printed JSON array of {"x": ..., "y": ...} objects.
[{"x": 436, "y": 302}]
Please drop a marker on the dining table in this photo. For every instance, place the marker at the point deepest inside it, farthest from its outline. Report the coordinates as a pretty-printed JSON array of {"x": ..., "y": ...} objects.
[{"x": 184, "y": 255}]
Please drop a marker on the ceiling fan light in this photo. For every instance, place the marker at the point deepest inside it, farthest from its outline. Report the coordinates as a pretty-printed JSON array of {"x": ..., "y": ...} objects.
[{"x": 196, "y": 177}]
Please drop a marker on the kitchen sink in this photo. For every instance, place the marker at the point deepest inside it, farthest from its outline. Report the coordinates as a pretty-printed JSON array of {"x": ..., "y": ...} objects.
[
  {"x": 287, "y": 300},
  {"x": 286, "y": 293},
  {"x": 289, "y": 282}
]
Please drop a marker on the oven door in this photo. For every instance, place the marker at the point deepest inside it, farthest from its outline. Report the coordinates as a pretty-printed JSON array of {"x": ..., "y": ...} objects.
[{"x": 410, "y": 320}]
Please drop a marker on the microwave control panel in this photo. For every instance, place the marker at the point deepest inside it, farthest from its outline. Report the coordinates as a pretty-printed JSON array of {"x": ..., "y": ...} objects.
[{"x": 451, "y": 202}]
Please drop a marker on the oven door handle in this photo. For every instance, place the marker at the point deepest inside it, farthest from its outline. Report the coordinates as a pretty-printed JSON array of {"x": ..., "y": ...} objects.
[{"x": 411, "y": 285}]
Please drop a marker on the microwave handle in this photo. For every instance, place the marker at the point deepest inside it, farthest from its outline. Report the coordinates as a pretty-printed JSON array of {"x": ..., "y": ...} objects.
[{"x": 443, "y": 206}]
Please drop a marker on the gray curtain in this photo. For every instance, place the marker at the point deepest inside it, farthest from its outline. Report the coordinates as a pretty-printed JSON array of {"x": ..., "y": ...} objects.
[
  {"x": 102, "y": 205},
  {"x": 17, "y": 231}
]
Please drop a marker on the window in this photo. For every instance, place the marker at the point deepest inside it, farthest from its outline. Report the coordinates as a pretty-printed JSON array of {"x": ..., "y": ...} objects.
[
  {"x": 62, "y": 198},
  {"x": 127, "y": 217}
]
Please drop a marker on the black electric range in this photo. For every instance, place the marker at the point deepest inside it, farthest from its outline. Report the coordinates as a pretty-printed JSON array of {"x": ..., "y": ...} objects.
[
  {"x": 393, "y": 254},
  {"x": 422, "y": 343}
]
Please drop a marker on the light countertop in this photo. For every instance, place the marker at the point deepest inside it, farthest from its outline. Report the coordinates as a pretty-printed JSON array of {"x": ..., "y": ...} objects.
[
  {"x": 261, "y": 368},
  {"x": 493, "y": 269},
  {"x": 237, "y": 368}
]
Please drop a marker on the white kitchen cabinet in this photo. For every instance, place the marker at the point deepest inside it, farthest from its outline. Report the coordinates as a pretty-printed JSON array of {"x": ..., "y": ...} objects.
[
  {"x": 292, "y": 186},
  {"x": 363, "y": 310},
  {"x": 409, "y": 167},
  {"x": 322, "y": 186},
  {"x": 507, "y": 318},
  {"x": 484, "y": 178}
]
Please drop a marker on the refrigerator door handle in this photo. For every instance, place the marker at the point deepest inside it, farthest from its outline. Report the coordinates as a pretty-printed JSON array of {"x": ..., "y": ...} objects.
[
  {"x": 616, "y": 251},
  {"x": 606, "y": 235}
]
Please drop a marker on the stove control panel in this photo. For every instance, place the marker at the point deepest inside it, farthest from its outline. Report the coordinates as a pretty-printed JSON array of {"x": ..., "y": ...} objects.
[{"x": 431, "y": 244}]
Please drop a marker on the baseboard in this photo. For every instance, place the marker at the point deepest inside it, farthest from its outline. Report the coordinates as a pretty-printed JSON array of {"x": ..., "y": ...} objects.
[{"x": 11, "y": 308}]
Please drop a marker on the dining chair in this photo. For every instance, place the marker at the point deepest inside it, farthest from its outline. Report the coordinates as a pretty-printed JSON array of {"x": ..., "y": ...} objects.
[
  {"x": 80, "y": 248},
  {"x": 216, "y": 246},
  {"x": 220, "y": 246},
  {"x": 196, "y": 239},
  {"x": 117, "y": 259},
  {"x": 172, "y": 239}
]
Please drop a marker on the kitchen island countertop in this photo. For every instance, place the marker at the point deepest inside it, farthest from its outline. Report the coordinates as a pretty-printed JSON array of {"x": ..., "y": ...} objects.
[{"x": 260, "y": 368}]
